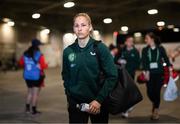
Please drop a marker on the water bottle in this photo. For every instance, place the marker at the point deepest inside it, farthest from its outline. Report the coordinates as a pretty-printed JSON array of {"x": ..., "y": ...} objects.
[{"x": 84, "y": 107}]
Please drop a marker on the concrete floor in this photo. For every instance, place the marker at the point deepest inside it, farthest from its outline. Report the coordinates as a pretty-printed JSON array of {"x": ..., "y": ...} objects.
[{"x": 52, "y": 102}]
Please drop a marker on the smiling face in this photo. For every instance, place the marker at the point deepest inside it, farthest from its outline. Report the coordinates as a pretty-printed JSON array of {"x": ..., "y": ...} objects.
[{"x": 82, "y": 27}]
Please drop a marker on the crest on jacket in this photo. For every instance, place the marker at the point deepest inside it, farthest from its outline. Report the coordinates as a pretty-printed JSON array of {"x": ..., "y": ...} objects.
[{"x": 72, "y": 57}]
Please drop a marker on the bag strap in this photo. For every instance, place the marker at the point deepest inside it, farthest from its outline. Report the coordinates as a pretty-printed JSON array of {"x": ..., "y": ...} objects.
[
  {"x": 36, "y": 59},
  {"x": 98, "y": 57}
]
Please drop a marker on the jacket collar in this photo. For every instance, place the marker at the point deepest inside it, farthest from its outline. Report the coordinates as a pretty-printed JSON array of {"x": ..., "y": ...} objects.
[{"x": 90, "y": 42}]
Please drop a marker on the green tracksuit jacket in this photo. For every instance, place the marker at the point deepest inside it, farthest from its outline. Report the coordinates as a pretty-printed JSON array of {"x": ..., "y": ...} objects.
[
  {"x": 81, "y": 72},
  {"x": 133, "y": 60}
]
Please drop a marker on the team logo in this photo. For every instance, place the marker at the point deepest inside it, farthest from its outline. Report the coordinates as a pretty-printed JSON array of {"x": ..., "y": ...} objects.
[
  {"x": 72, "y": 65},
  {"x": 72, "y": 57},
  {"x": 93, "y": 53},
  {"x": 132, "y": 55}
]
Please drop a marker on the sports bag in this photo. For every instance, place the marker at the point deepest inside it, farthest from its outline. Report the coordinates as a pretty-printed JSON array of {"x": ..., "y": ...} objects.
[{"x": 125, "y": 93}]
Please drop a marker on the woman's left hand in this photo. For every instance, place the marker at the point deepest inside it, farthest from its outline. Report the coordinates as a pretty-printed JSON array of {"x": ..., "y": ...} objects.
[{"x": 95, "y": 107}]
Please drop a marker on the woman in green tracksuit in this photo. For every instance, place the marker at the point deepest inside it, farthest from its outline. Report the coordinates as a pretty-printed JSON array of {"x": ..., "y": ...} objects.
[
  {"x": 81, "y": 74},
  {"x": 153, "y": 56},
  {"x": 129, "y": 57}
]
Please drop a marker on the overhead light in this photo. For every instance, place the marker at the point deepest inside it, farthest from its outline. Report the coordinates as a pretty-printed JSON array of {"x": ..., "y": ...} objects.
[
  {"x": 124, "y": 28},
  {"x": 6, "y": 19},
  {"x": 170, "y": 26},
  {"x": 69, "y": 4},
  {"x": 107, "y": 20},
  {"x": 10, "y": 23},
  {"x": 152, "y": 11},
  {"x": 160, "y": 23},
  {"x": 123, "y": 32},
  {"x": 137, "y": 34},
  {"x": 176, "y": 29},
  {"x": 45, "y": 31},
  {"x": 36, "y": 16}
]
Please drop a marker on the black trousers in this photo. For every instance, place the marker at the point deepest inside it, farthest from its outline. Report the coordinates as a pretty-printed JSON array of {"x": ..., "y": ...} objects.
[
  {"x": 154, "y": 89},
  {"x": 77, "y": 116}
]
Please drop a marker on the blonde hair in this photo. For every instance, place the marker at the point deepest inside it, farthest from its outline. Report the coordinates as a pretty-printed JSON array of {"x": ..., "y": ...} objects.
[
  {"x": 88, "y": 19},
  {"x": 84, "y": 15}
]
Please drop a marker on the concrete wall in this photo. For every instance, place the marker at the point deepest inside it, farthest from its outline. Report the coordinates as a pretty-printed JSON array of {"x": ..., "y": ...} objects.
[
  {"x": 15, "y": 40},
  {"x": 8, "y": 39}
]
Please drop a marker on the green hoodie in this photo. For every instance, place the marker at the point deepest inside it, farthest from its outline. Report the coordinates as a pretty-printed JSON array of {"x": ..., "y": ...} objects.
[
  {"x": 132, "y": 58},
  {"x": 81, "y": 72}
]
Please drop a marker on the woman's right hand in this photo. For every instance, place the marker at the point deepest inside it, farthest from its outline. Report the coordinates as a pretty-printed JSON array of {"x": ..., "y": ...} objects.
[{"x": 95, "y": 107}]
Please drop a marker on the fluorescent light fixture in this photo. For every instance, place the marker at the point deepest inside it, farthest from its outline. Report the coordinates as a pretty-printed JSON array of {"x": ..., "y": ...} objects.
[
  {"x": 45, "y": 31},
  {"x": 10, "y": 23},
  {"x": 124, "y": 28},
  {"x": 107, "y": 20},
  {"x": 44, "y": 35},
  {"x": 160, "y": 23},
  {"x": 152, "y": 11},
  {"x": 170, "y": 26},
  {"x": 36, "y": 16},
  {"x": 69, "y": 4},
  {"x": 123, "y": 32},
  {"x": 176, "y": 29},
  {"x": 137, "y": 34},
  {"x": 6, "y": 19}
]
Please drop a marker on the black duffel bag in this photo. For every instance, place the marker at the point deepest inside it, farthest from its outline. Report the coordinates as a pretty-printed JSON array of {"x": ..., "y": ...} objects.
[{"x": 125, "y": 93}]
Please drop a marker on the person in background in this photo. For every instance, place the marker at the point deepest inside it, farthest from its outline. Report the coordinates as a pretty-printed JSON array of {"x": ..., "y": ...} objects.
[
  {"x": 33, "y": 62},
  {"x": 175, "y": 53},
  {"x": 152, "y": 56},
  {"x": 114, "y": 50},
  {"x": 120, "y": 47},
  {"x": 81, "y": 75},
  {"x": 130, "y": 58}
]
